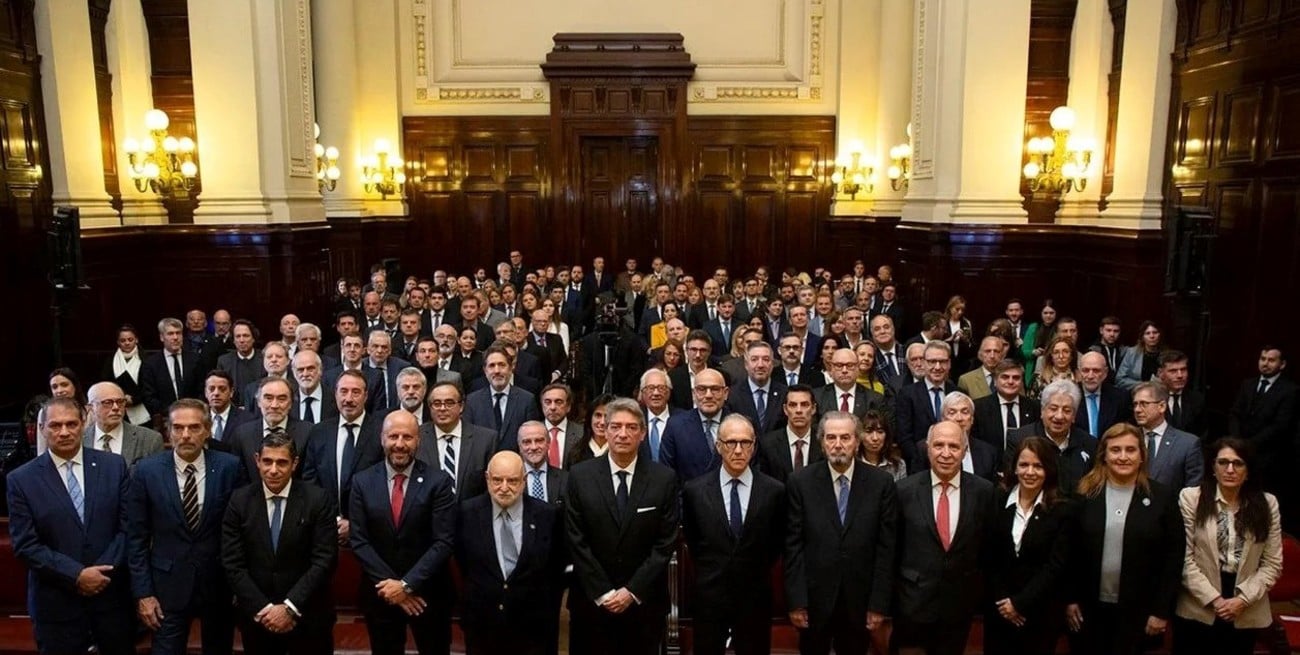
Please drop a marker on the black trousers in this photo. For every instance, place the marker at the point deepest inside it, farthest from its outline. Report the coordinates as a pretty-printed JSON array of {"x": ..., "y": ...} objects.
[
  {"x": 1220, "y": 638},
  {"x": 519, "y": 640},
  {"x": 306, "y": 639},
  {"x": 386, "y": 626},
  {"x": 216, "y": 622},
  {"x": 750, "y": 633},
  {"x": 637, "y": 631},
  {"x": 112, "y": 633},
  {"x": 1037, "y": 637},
  {"x": 931, "y": 638},
  {"x": 844, "y": 632},
  {"x": 1109, "y": 630}
]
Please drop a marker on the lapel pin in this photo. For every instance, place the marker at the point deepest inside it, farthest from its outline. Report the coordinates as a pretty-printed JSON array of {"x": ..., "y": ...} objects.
[
  {"x": 94, "y": 463},
  {"x": 420, "y": 480},
  {"x": 1146, "y": 502},
  {"x": 532, "y": 526}
]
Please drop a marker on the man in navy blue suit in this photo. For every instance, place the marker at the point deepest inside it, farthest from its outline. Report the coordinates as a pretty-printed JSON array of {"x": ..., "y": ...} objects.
[
  {"x": 174, "y": 506},
  {"x": 501, "y": 405},
  {"x": 918, "y": 406},
  {"x": 686, "y": 447},
  {"x": 65, "y": 518},
  {"x": 403, "y": 522}
]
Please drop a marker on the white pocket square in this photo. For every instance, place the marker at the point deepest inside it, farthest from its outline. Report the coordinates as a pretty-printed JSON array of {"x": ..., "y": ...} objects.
[{"x": 644, "y": 509}]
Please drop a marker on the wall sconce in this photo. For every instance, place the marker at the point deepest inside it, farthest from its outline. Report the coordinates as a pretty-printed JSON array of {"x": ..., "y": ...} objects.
[
  {"x": 381, "y": 172},
  {"x": 327, "y": 165},
  {"x": 1059, "y": 163},
  {"x": 162, "y": 163},
  {"x": 852, "y": 175}
]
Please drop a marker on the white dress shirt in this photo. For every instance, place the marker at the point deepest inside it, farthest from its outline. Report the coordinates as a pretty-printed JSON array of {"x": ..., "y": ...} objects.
[
  {"x": 78, "y": 469},
  {"x": 954, "y": 500},
  {"x": 200, "y": 475},
  {"x": 316, "y": 404},
  {"x": 114, "y": 443},
  {"x": 746, "y": 485},
  {"x": 1021, "y": 520},
  {"x": 440, "y": 447}
]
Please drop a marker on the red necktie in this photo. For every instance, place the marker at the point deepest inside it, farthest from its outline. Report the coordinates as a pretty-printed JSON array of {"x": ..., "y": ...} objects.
[
  {"x": 553, "y": 452},
  {"x": 844, "y": 402},
  {"x": 398, "y": 496},
  {"x": 941, "y": 516}
]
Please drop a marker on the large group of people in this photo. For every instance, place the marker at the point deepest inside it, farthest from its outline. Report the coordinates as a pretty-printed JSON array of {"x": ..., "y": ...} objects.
[{"x": 892, "y": 476}]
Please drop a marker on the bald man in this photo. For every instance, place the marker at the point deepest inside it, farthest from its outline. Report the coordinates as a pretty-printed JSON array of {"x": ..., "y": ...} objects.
[
  {"x": 510, "y": 548},
  {"x": 107, "y": 432}
]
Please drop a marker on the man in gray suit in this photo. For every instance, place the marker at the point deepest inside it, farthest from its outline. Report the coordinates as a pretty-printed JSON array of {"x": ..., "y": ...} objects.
[
  {"x": 108, "y": 433},
  {"x": 455, "y": 447},
  {"x": 1173, "y": 456}
]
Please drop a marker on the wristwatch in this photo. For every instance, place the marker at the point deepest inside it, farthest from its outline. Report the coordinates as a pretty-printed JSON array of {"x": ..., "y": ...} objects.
[
  {"x": 407, "y": 588},
  {"x": 293, "y": 613}
]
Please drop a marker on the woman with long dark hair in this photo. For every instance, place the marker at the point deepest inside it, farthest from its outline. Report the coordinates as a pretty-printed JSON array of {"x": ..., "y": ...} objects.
[
  {"x": 1234, "y": 555},
  {"x": 878, "y": 448},
  {"x": 1037, "y": 336},
  {"x": 1027, "y": 555},
  {"x": 1142, "y": 361}
]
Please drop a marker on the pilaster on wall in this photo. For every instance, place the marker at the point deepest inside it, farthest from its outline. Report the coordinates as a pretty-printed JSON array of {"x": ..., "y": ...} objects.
[
  {"x": 129, "y": 64},
  {"x": 1090, "y": 66},
  {"x": 894, "y": 85}
]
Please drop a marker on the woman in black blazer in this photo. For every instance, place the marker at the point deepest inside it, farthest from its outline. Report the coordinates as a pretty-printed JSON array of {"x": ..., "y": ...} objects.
[
  {"x": 1122, "y": 606},
  {"x": 1024, "y": 612}
]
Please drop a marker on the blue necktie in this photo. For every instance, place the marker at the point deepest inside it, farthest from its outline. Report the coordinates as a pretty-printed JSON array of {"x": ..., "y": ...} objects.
[
  {"x": 843, "y": 501},
  {"x": 1094, "y": 412},
  {"x": 654, "y": 438},
  {"x": 535, "y": 488},
  {"x": 793, "y": 378},
  {"x": 760, "y": 403},
  {"x": 938, "y": 402},
  {"x": 74, "y": 492},
  {"x": 509, "y": 549},
  {"x": 276, "y": 517},
  {"x": 736, "y": 521}
]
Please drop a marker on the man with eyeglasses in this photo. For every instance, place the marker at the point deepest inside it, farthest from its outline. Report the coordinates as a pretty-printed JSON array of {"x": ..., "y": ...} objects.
[
  {"x": 458, "y": 448},
  {"x": 654, "y": 391},
  {"x": 107, "y": 431},
  {"x": 793, "y": 369},
  {"x": 688, "y": 445},
  {"x": 919, "y": 405},
  {"x": 1173, "y": 456},
  {"x": 844, "y": 393},
  {"x": 699, "y": 349},
  {"x": 730, "y": 542}
]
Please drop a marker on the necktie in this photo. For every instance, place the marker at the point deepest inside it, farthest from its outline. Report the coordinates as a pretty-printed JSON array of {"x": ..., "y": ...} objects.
[
  {"x": 190, "y": 499},
  {"x": 843, "y": 501},
  {"x": 1263, "y": 387},
  {"x": 988, "y": 379},
  {"x": 1012, "y": 423},
  {"x": 541, "y": 340},
  {"x": 713, "y": 312},
  {"x": 277, "y": 515},
  {"x": 176, "y": 374},
  {"x": 708, "y": 431},
  {"x": 498, "y": 407},
  {"x": 1176, "y": 410},
  {"x": 1094, "y": 414},
  {"x": 726, "y": 332},
  {"x": 449, "y": 458},
  {"x": 383, "y": 393},
  {"x": 399, "y": 494},
  {"x": 941, "y": 516},
  {"x": 654, "y": 438},
  {"x": 798, "y": 455},
  {"x": 437, "y": 319},
  {"x": 792, "y": 378},
  {"x": 620, "y": 495},
  {"x": 938, "y": 402},
  {"x": 535, "y": 487},
  {"x": 349, "y": 455},
  {"x": 308, "y": 415},
  {"x": 74, "y": 492},
  {"x": 844, "y": 402},
  {"x": 760, "y": 403},
  {"x": 889, "y": 362},
  {"x": 218, "y": 427},
  {"x": 1152, "y": 443},
  {"x": 735, "y": 519},
  {"x": 108, "y": 441},
  {"x": 510, "y": 311},
  {"x": 553, "y": 450},
  {"x": 509, "y": 549}
]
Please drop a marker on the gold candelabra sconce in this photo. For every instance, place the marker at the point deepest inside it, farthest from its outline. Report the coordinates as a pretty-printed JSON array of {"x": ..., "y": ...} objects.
[
  {"x": 327, "y": 165},
  {"x": 382, "y": 172},
  {"x": 1059, "y": 163},
  {"x": 161, "y": 163},
  {"x": 853, "y": 173}
]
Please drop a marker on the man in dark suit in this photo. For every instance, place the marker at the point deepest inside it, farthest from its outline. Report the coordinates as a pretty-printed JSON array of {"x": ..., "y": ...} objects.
[
  {"x": 1186, "y": 407},
  {"x": 1103, "y": 404},
  {"x": 699, "y": 352},
  {"x": 1174, "y": 457},
  {"x": 279, "y": 546},
  {"x": 313, "y": 403},
  {"x": 891, "y": 356},
  {"x": 225, "y": 417},
  {"x": 687, "y": 446},
  {"x": 788, "y": 450},
  {"x": 174, "y": 507},
  {"x": 453, "y": 446},
  {"x": 501, "y": 406},
  {"x": 839, "y": 507},
  {"x": 542, "y": 481},
  {"x": 1265, "y": 413},
  {"x": 621, "y": 522},
  {"x": 171, "y": 373},
  {"x": 563, "y": 432},
  {"x": 844, "y": 394},
  {"x": 65, "y": 518},
  {"x": 276, "y": 363},
  {"x": 273, "y": 399},
  {"x": 734, "y": 524},
  {"x": 699, "y": 314},
  {"x": 244, "y": 363},
  {"x": 510, "y": 549},
  {"x": 790, "y": 352},
  {"x": 775, "y": 324},
  {"x": 721, "y": 328},
  {"x": 889, "y": 306},
  {"x": 917, "y": 406},
  {"x": 1007, "y": 409},
  {"x": 943, "y": 516},
  {"x": 341, "y": 447},
  {"x": 484, "y": 335},
  {"x": 579, "y": 302},
  {"x": 548, "y": 348},
  {"x": 403, "y": 514},
  {"x": 379, "y": 347},
  {"x": 1059, "y": 401},
  {"x": 758, "y": 388}
]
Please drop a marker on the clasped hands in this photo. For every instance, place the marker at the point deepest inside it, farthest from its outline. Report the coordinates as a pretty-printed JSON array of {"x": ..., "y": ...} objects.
[
  {"x": 799, "y": 619},
  {"x": 276, "y": 618},
  {"x": 391, "y": 592},
  {"x": 617, "y": 602}
]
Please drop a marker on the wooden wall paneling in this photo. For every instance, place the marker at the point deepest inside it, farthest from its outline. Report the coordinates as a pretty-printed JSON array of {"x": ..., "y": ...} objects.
[
  {"x": 1051, "y": 23},
  {"x": 173, "y": 86},
  {"x": 104, "y": 93}
]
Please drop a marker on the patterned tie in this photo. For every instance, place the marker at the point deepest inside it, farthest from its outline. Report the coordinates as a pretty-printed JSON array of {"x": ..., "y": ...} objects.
[
  {"x": 190, "y": 499},
  {"x": 74, "y": 491},
  {"x": 398, "y": 496},
  {"x": 798, "y": 455},
  {"x": 760, "y": 403},
  {"x": 942, "y": 516},
  {"x": 792, "y": 379},
  {"x": 449, "y": 458},
  {"x": 843, "y": 500},
  {"x": 535, "y": 487},
  {"x": 708, "y": 431},
  {"x": 844, "y": 402},
  {"x": 219, "y": 426},
  {"x": 107, "y": 440},
  {"x": 277, "y": 515},
  {"x": 509, "y": 549},
  {"x": 734, "y": 517}
]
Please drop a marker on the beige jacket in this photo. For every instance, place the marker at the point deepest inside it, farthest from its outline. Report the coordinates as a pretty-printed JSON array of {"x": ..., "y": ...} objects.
[{"x": 1259, "y": 568}]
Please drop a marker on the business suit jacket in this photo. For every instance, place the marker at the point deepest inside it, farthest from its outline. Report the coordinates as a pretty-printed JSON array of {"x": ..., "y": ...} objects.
[
  {"x": 246, "y": 441},
  {"x": 521, "y": 407},
  {"x": 138, "y": 442},
  {"x": 530, "y": 596},
  {"x": 1191, "y": 417},
  {"x": 894, "y": 311},
  {"x": 783, "y": 327},
  {"x": 851, "y": 564},
  {"x": 330, "y": 380},
  {"x": 320, "y": 464},
  {"x": 988, "y": 419},
  {"x": 741, "y": 401},
  {"x": 156, "y": 380},
  {"x": 557, "y": 487},
  {"x": 807, "y": 375},
  {"x": 610, "y": 551},
  {"x": 526, "y": 382},
  {"x": 684, "y": 446},
  {"x": 375, "y": 397},
  {"x": 720, "y": 341},
  {"x": 1114, "y": 406},
  {"x": 775, "y": 459},
  {"x": 973, "y": 384},
  {"x": 54, "y": 544},
  {"x": 1152, "y": 556},
  {"x": 914, "y": 413},
  {"x": 550, "y": 357},
  {"x": 477, "y": 445},
  {"x": 166, "y": 559},
  {"x": 744, "y": 313},
  {"x": 1269, "y": 421},
  {"x": 418, "y": 547},
  {"x": 1257, "y": 571},
  {"x": 864, "y": 399},
  {"x": 299, "y": 570},
  {"x": 681, "y": 397},
  {"x": 1074, "y": 461},
  {"x": 986, "y": 461},
  {"x": 934, "y": 585},
  {"x": 1178, "y": 462},
  {"x": 235, "y": 418},
  {"x": 733, "y": 572},
  {"x": 1032, "y": 577},
  {"x": 324, "y": 410},
  {"x": 886, "y": 375}
]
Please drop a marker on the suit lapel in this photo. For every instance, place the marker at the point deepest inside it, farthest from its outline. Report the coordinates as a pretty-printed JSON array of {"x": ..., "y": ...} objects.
[
  {"x": 489, "y": 536},
  {"x": 415, "y": 489},
  {"x": 636, "y": 491},
  {"x": 209, "y": 493},
  {"x": 717, "y": 507},
  {"x": 924, "y": 498},
  {"x": 54, "y": 480},
  {"x": 605, "y": 486},
  {"x": 965, "y": 513}
]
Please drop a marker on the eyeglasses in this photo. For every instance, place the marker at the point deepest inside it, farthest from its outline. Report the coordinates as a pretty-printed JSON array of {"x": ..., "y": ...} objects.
[
  {"x": 655, "y": 388},
  {"x": 732, "y": 444},
  {"x": 937, "y": 362},
  {"x": 443, "y": 404},
  {"x": 709, "y": 390},
  {"x": 698, "y": 350},
  {"x": 844, "y": 365},
  {"x": 1224, "y": 463},
  {"x": 113, "y": 402},
  {"x": 1147, "y": 403}
]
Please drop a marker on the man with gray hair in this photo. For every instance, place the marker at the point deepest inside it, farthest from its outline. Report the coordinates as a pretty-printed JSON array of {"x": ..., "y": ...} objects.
[
  {"x": 918, "y": 406},
  {"x": 1060, "y": 400},
  {"x": 170, "y": 374},
  {"x": 107, "y": 432},
  {"x": 312, "y": 403},
  {"x": 307, "y": 337},
  {"x": 411, "y": 385}
]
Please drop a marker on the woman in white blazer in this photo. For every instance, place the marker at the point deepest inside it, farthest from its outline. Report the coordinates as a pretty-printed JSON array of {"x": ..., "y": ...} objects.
[{"x": 1234, "y": 555}]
